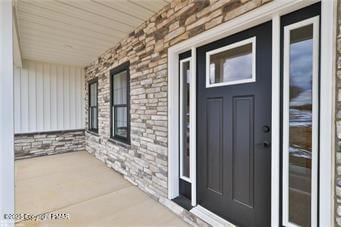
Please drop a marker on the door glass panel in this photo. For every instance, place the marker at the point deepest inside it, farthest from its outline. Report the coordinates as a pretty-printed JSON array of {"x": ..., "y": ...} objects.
[
  {"x": 300, "y": 128},
  {"x": 185, "y": 118},
  {"x": 232, "y": 64}
]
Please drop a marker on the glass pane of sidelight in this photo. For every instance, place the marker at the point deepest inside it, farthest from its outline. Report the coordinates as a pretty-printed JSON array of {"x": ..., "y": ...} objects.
[
  {"x": 185, "y": 116},
  {"x": 231, "y": 64},
  {"x": 300, "y": 124}
]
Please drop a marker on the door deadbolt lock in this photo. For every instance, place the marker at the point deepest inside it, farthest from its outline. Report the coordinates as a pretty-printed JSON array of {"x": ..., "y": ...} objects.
[{"x": 266, "y": 128}]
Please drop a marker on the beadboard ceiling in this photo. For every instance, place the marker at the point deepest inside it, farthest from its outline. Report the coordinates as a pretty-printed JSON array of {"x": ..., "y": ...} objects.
[{"x": 77, "y": 31}]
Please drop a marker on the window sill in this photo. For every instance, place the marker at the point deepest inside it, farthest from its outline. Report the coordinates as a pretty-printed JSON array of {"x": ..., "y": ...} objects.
[
  {"x": 92, "y": 132},
  {"x": 119, "y": 143}
]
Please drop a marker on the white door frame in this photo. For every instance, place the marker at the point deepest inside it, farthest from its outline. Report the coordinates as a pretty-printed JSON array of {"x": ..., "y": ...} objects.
[{"x": 270, "y": 11}]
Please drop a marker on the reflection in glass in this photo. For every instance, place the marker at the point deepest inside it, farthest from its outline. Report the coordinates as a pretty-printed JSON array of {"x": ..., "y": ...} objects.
[
  {"x": 93, "y": 94},
  {"x": 119, "y": 108},
  {"x": 93, "y": 118},
  {"x": 300, "y": 125},
  {"x": 93, "y": 107},
  {"x": 231, "y": 65},
  {"x": 120, "y": 88},
  {"x": 185, "y": 124},
  {"x": 121, "y": 121}
]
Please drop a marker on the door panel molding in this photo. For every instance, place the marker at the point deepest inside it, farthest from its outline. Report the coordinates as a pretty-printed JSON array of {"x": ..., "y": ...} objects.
[
  {"x": 243, "y": 119},
  {"x": 214, "y": 178}
]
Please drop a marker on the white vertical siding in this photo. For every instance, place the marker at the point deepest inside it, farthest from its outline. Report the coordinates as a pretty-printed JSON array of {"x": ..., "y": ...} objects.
[
  {"x": 39, "y": 97},
  {"x": 30, "y": 71},
  {"x": 66, "y": 100},
  {"x": 82, "y": 104},
  {"x": 48, "y": 97},
  {"x": 17, "y": 99},
  {"x": 26, "y": 87},
  {"x": 53, "y": 77},
  {"x": 78, "y": 95},
  {"x": 72, "y": 98},
  {"x": 60, "y": 97}
]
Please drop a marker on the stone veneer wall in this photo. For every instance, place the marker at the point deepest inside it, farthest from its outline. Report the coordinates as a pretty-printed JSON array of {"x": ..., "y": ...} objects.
[
  {"x": 338, "y": 120},
  {"x": 48, "y": 143},
  {"x": 144, "y": 162}
]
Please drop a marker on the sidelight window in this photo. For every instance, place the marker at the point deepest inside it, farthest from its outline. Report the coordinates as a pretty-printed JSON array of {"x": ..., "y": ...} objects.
[
  {"x": 185, "y": 86},
  {"x": 120, "y": 129},
  {"x": 300, "y": 123},
  {"x": 232, "y": 64},
  {"x": 93, "y": 106}
]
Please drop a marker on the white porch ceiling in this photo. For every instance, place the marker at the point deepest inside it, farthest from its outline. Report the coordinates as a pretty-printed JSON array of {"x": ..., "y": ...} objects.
[{"x": 77, "y": 31}]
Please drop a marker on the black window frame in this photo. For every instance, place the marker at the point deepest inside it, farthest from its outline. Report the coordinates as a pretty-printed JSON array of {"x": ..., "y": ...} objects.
[
  {"x": 123, "y": 67},
  {"x": 91, "y": 82}
]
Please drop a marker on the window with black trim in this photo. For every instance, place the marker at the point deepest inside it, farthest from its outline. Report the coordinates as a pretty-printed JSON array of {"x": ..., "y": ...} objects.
[
  {"x": 93, "y": 106},
  {"x": 120, "y": 93}
]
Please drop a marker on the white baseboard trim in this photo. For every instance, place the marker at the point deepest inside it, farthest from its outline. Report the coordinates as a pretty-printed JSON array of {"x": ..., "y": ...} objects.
[{"x": 210, "y": 217}]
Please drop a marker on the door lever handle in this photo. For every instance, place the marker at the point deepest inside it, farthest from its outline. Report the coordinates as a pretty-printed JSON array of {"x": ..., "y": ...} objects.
[{"x": 266, "y": 144}]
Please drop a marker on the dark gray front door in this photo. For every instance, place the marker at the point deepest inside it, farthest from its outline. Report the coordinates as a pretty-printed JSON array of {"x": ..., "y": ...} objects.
[{"x": 234, "y": 125}]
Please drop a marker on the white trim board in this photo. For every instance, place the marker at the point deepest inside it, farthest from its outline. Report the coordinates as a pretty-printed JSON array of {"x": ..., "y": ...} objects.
[
  {"x": 6, "y": 114},
  {"x": 193, "y": 135},
  {"x": 327, "y": 110},
  {"x": 275, "y": 121},
  {"x": 270, "y": 11}
]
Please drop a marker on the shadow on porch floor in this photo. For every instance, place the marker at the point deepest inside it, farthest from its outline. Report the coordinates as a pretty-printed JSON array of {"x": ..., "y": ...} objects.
[{"x": 91, "y": 194}]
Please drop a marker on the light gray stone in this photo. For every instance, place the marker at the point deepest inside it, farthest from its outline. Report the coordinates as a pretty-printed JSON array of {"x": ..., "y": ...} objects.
[{"x": 32, "y": 145}]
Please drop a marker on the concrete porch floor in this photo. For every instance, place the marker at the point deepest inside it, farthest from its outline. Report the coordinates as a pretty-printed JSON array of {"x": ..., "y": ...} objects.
[{"x": 81, "y": 186}]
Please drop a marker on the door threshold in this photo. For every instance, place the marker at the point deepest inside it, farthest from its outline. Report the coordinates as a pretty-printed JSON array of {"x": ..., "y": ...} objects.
[{"x": 210, "y": 217}]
